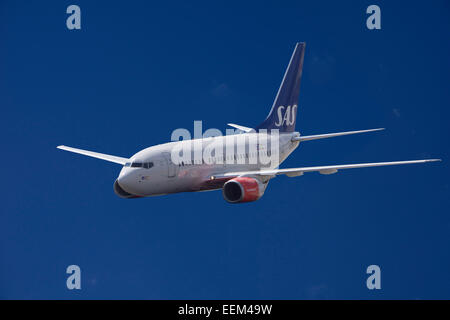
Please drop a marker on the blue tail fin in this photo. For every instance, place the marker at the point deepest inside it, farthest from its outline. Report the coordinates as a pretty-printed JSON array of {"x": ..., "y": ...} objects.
[{"x": 283, "y": 114}]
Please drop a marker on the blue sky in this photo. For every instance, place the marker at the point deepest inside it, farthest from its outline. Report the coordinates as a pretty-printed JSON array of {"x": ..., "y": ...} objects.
[{"x": 136, "y": 71}]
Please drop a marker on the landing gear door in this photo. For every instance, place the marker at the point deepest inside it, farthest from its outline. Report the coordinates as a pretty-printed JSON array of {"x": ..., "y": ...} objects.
[{"x": 171, "y": 167}]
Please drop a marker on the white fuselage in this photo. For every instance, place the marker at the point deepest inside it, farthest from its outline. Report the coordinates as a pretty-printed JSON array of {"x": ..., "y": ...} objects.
[{"x": 162, "y": 174}]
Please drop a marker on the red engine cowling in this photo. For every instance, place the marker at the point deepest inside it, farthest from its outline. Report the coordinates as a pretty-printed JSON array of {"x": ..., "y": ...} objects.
[{"x": 242, "y": 189}]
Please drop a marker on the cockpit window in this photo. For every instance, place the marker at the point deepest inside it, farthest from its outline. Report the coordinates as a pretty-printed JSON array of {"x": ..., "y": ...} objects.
[
  {"x": 136, "y": 165},
  {"x": 127, "y": 164},
  {"x": 146, "y": 165}
]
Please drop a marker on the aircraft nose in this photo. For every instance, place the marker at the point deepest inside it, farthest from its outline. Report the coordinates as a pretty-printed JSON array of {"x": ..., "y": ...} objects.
[
  {"x": 125, "y": 179},
  {"x": 125, "y": 186}
]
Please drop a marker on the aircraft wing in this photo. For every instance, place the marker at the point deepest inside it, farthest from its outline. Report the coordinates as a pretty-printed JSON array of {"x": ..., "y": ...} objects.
[
  {"x": 97, "y": 155},
  {"x": 293, "y": 172}
]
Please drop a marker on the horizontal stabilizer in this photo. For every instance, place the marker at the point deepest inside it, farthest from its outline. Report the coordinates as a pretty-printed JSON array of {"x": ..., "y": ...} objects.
[
  {"x": 97, "y": 155},
  {"x": 331, "y": 135},
  {"x": 242, "y": 128}
]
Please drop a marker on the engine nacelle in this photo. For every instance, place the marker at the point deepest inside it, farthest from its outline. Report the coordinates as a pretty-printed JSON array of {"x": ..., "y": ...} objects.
[{"x": 243, "y": 189}]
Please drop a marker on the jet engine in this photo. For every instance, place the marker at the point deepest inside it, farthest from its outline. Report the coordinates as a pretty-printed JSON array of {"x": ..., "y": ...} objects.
[{"x": 243, "y": 189}]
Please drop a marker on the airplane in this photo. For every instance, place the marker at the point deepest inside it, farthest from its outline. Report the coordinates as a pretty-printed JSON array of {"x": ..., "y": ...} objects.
[{"x": 154, "y": 170}]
